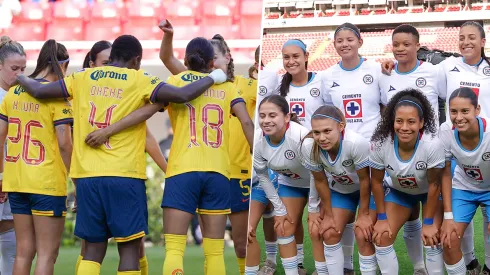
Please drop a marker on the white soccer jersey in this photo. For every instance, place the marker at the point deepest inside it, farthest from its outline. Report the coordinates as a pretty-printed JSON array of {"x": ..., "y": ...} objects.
[
  {"x": 472, "y": 172},
  {"x": 269, "y": 81},
  {"x": 356, "y": 92},
  {"x": 408, "y": 176},
  {"x": 459, "y": 74},
  {"x": 425, "y": 77},
  {"x": 305, "y": 100}
]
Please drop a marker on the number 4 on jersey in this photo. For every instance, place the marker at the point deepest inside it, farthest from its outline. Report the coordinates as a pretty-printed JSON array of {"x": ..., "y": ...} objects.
[{"x": 101, "y": 125}]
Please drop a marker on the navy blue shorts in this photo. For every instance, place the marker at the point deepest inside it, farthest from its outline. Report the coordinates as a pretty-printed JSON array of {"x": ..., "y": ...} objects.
[
  {"x": 202, "y": 192},
  {"x": 240, "y": 195},
  {"x": 36, "y": 204},
  {"x": 111, "y": 207}
]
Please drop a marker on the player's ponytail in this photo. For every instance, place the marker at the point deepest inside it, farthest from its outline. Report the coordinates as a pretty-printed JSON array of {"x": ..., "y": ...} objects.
[
  {"x": 9, "y": 47},
  {"x": 199, "y": 55},
  {"x": 482, "y": 36},
  {"x": 86, "y": 61},
  {"x": 251, "y": 71},
  {"x": 407, "y": 97},
  {"x": 287, "y": 77},
  {"x": 53, "y": 55},
  {"x": 222, "y": 46}
]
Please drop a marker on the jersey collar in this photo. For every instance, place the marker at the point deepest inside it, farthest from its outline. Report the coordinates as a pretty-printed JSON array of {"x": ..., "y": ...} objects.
[
  {"x": 482, "y": 127},
  {"x": 280, "y": 143},
  {"x": 355, "y": 68},
  {"x": 419, "y": 62},
  {"x": 395, "y": 144}
]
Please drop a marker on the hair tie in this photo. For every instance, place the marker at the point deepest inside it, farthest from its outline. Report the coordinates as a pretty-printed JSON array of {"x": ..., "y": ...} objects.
[
  {"x": 411, "y": 102},
  {"x": 295, "y": 42},
  {"x": 61, "y": 61},
  {"x": 350, "y": 29},
  {"x": 322, "y": 115}
]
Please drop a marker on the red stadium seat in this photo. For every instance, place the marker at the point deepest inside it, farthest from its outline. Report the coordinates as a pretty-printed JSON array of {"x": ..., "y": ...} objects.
[
  {"x": 149, "y": 32},
  {"x": 251, "y": 19},
  {"x": 24, "y": 31},
  {"x": 68, "y": 12},
  {"x": 96, "y": 31},
  {"x": 181, "y": 14},
  {"x": 228, "y": 32},
  {"x": 34, "y": 11},
  {"x": 65, "y": 32}
]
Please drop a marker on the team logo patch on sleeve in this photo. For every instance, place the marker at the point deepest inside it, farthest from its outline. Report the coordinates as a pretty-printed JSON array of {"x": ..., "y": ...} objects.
[
  {"x": 262, "y": 90},
  {"x": 353, "y": 108},
  {"x": 421, "y": 165},
  {"x": 486, "y": 71},
  {"x": 474, "y": 173},
  {"x": 314, "y": 92},
  {"x": 486, "y": 156},
  {"x": 368, "y": 79},
  {"x": 409, "y": 183},
  {"x": 298, "y": 107},
  {"x": 420, "y": 82},
  {"x": 289, "y": 154}
]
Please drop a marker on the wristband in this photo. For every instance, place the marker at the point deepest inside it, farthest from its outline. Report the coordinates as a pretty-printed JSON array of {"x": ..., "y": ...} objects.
[
  {"x": 428, "y": 221},
  {"x": 448, "y": 215},
  {"x": 382, "y": 217}
]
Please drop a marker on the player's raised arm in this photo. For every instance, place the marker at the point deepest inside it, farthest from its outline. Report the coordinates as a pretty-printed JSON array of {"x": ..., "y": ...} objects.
[
  {"x": 168, "y": 93},
  {"x": 241, "y": 113},
  {"x": 167, "y": 50},
  {"x": 38, "y": 90}
]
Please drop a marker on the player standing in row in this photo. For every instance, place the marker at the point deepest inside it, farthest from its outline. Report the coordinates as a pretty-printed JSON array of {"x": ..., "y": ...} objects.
[
  {"x": 472, "y": 71},
  {"x": 405, "y": 147},
  {"x": 240, "y": 156},
  {"x": 12, "y": 62},
  {"x": 36, "y": 164},
  {"x": 98, "y": 56},
  {"x": 277, "y": 148},
  {"x": 344, "y": 154},
  {"x": 465, "y": 139},
  {"x": 211, "y": 198},
  {"x": 111, "y": 198}
]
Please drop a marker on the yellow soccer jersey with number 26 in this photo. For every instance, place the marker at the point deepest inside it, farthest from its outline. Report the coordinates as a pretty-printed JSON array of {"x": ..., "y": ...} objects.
[
  {"x": 102, "y": 96},
  {"x": 201, "y": 128},
  {"x": 33, "y": 161},
  {"x": 240, "y": 156}
]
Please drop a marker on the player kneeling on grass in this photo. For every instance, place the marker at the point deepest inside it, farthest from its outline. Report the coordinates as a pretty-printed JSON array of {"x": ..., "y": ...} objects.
[
  {"x": 344, "y": 154},
  {"x": 466, "y": 139},
  {"x": 277, "y": 148},
  {"x": 405, "y": 147}
]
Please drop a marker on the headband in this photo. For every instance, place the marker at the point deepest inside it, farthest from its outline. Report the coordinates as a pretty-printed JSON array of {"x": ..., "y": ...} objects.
[
  {"x": 411, "y": 102},
  {"x": 295, "y": 42},
  {"x": 356, "y": 32},
  {"x": 332, "y": 118},
  {"x": 61, "y": 61}
]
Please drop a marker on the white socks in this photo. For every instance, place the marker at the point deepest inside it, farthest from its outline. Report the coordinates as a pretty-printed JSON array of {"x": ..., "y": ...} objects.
[
  {"x": 348, "y": 238},
  {"x": 251, "y": 270},
  {"x": 321, "y": 268},
  {"x": 7, "y": 252},
  {"x": 456, "y": 269},
  {"x": 468, "y": 245},
  {"x": 368, "y": 264},
  {"x": 485, "y": 236},
  {"x": 334, "y": 256},
  {"x": 300, "y": 254},
  {"x": 290, "y": 265},
  {"x": 434, "y": 260},
  {"x": 387, "y": 260},
  {"x": 271, "y": 251},
  {"x": 412, "y": 234}
]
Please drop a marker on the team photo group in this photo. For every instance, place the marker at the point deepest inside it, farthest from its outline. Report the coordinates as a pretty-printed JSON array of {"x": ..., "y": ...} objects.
[{"x": 352, "y": 159}]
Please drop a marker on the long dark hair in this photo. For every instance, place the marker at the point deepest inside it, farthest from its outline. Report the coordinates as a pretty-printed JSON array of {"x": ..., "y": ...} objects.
[
  {"x": 287, "y": 77},
  {"x": 52, "y": 55},
  {"x": 96, "y": 49},
  {"x": 407, "y": 97},
  {"x": 198, "y": 54},
  {"x": 482, "y": 35}
]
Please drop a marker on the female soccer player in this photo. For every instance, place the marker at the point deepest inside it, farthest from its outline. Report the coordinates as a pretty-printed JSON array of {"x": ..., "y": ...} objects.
[
  {"x": 405, "y": 147},
  {"x": 277, "y": 148},
  {"x": 12, "y": 62},
  {"x": 240, "y": 159},
  {"x": 470, "y": 71},
  {"x": 209, "y": 112},
  {"x": 110, "y": 179},
  {"x": 38, "y": 157},
  {"x": 465, "y": 139},
  {"x": 98, "y": 56},
  {"x": 344, "y": 154}
]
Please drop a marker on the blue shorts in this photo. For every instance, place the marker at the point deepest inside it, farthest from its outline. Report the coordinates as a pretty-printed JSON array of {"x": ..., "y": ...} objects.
[
  {"x": 403, "y": 199},
  {"x": 286, "y": 191},
  {"x": 372, "y": 203},
  {"x": 345, "y": 201},
  {"x": 466, "y": 202},
  {"x": 202, "y": 192},
  {"x": 36, "y": 204},
  {"x": 240, "y": 195},
  {"x": 111, "y": 207},
  {"x": 258, "y": 193}
]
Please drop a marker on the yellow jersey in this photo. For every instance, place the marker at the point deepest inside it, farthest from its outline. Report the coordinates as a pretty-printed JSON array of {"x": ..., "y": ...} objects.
[
  {"x": 33, "y": 162},
  {"x": 201, "y": 128},
  {"x": 240, "y": 155},
  {"x": 102, "y": 96}
]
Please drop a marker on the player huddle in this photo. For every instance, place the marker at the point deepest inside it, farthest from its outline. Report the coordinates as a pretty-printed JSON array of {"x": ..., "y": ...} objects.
[
  {"x": 361, "y": 145},
  {"x": 90, "y": 126}
]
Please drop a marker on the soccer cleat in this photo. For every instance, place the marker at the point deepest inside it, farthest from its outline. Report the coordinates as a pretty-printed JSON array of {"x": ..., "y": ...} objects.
[
  {"x": 268, "y": 269},
  {"x": 485, "y": 270},
  {"x": 474, "y": 268},
  {"x": 420, "y": 271},
  {"x": 301, "y": 270},
  {"x": 348, "y": 271}
]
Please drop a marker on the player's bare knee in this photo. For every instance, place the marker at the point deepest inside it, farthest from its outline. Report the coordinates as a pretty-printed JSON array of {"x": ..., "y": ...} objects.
[
  {"x": 455, "y": 244},
  {"x": 331, "y": 236},
  {"x": 386, "y": 240},
  {"x": 315, "y": 234},
  {"x": 360, "y": 238},
  {"x": 241, "y": 251},
  {"x": 289, "y": 230}
]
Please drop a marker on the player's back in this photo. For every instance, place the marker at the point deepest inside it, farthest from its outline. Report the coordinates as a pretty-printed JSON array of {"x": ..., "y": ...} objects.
[
  {"x": 33, "y": 162},
  {"x": 240, "y": 156},
  {"x": 102, "y": 96},
  {"x": 201, "y": 128}
]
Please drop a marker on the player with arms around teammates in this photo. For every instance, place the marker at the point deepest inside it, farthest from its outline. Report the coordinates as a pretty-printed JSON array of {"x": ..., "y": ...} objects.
[{"x": 110, "y": 179}]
